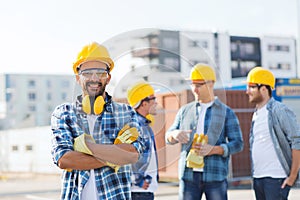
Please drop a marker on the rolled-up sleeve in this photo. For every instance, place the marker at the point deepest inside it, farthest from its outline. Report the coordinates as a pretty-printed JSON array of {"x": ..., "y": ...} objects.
[
  {"x": 234, "y": 135},
  {"x": 288, "y": 123},
  {"x": 175, "y": 125},
  {"x": 62, "y": 140}
]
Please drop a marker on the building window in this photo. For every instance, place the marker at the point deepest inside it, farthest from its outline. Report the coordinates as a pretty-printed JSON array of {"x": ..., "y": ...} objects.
[
  {"x": 241, "y": 68},
  {"x": 10, "y": 82},
  {"x": 32, "y": 108},
  {"x": 28, "y": 148},
  {"x": 247, "y": 49},
  {"x": 170, "y": 43},
  {"x": 49, "y": 96},
  {"x": 14, "y": 148},
  {"x": 8, "y": 97},
  {"x": 48, "y": 83},
  {"x": 31, "y": 83},
  {"x": 31, "y": 96},
  {"x": 233, "y": 47},
  {"x": 280, "y": 66},
  {"x": 198, "y": 43},
  {"x": 171, "y": 63},
  {"x": 282, "y": 48}
]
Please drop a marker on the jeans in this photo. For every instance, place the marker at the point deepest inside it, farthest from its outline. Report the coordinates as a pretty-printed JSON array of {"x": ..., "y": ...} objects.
[
  {"x": 270, "y": 189},
  {"x": 142, "y": 196},
  {"x": 193, "y": 190}
]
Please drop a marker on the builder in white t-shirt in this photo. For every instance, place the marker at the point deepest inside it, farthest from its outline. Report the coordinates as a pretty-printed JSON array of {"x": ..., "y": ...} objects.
[
  {"x": 274, "y": 139},
  {"x": 144, "y": 172}
]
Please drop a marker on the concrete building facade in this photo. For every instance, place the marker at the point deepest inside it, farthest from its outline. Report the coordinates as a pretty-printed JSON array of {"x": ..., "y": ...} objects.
[
  {"x": 28, "y": 100},
  {"x": 165, "y": 60}
]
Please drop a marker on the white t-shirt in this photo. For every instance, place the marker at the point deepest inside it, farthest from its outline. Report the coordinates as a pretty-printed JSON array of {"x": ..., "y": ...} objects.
[
  {"x": 200, "y": 125},
  {"x": 152, "y": 171},
  {"x": 265, "y": 160},
  {"x": 89, "y": 191}
]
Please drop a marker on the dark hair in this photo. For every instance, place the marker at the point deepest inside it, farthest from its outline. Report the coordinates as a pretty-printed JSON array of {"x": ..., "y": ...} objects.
[
  {"x": 107, "y": 69},
  {"x": 146, "y": 99},
  {"x": 268, "y": 88}
]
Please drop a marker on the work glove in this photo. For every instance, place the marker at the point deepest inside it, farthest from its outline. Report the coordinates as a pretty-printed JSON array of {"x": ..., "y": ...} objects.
[
  {"x": 126, "y": 135},
  {"x": 193, "y": 159},
  {"x": 80, "y": 143}
]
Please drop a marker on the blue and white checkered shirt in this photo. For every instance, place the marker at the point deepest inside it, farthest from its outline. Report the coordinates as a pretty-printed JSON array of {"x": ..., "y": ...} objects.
[{"x": 68, "y": 122}]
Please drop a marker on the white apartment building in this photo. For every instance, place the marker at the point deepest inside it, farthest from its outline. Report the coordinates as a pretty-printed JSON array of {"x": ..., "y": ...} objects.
[
  {"x": 279, "y": 56},
  {"x": 29, "y": 99},
  {"x": 206, "y": 47},
  {"x": 166, "y": 57},
  {"x": 196, "y": 47}
]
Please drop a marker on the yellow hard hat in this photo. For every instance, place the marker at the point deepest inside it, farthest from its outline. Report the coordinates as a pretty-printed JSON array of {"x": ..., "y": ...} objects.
[
  {"x": 93, "y": 52},
  {"x": 260, "y": 75},
  {"x": 202, "y": 72},
  {"x": 138, "y": 92}
]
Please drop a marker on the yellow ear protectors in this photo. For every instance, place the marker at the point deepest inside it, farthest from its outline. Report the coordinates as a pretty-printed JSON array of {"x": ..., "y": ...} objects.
[
  {"x": 96, "y": 107},
  {"x": 150, "y": 118}
]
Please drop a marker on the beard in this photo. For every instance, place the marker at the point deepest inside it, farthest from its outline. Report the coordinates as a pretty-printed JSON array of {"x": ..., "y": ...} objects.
[
  {"x": 95, "y": 89},
  {"x": 256, "y": 99}
]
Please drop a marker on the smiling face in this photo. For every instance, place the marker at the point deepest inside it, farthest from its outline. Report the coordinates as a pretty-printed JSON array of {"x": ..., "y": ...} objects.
[{"x": 93, "y": 78}]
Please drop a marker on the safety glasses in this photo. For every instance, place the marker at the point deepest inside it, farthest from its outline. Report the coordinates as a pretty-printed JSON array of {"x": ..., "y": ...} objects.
[
  {"x": 98, "y": 72},
  {"x": 252, "y": 87},
  {"x": 149, "y": 98},
  {"x": 199, "y": 84}
]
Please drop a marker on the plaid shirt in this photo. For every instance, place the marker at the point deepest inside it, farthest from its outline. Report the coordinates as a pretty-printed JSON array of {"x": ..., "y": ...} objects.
[
  {"x": 68, "y": 122},
  {"x": 222, "y": 128}
]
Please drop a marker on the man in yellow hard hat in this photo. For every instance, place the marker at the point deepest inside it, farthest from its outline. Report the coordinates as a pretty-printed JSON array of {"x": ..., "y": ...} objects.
[
  {"x": 141, "y": 97},
  {"x": 207, "y": 116},
  {"x": 95, "y": 139},
  {"x": 274, "y": 139}
]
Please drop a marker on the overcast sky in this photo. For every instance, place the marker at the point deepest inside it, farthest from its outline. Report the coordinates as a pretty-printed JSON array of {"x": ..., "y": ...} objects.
[{"x": 44, "y": 36}]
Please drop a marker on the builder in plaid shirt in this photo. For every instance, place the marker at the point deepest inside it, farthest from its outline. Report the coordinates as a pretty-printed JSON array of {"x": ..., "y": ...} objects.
[
  {"x": 210, "y": 116},
  {"x": 95, "y": 138}
]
